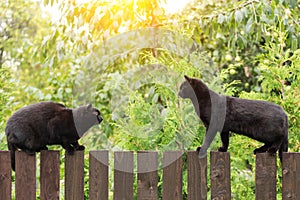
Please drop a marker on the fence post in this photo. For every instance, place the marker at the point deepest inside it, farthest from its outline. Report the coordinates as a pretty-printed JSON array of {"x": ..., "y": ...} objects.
[
  {"x": 291, "y": 176},
  {"x": 265, "y": 183},
  {"x": 98, "y": 172},
  {"x": 220, "y": 175},
  {"x": 5, "y": 175},
  {"x": 123, "y": 175},
  {"x": 74, "y": 176},
  {"x": 147, "y": 163},
  {"x": 197, "y": 176},
  {"x": 25, "y": 176},
  {"x": 172, "y": 175},
  {"x": 50, "y": 171}
]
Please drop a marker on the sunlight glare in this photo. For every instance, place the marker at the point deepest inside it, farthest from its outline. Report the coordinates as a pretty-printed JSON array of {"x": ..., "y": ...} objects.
[{"x": 173, "y": 6}]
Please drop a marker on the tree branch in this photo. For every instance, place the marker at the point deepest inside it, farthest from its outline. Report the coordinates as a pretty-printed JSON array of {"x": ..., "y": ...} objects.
[
  {"x": 232, "y": 10},
  {"x": 1, "y": 56}
]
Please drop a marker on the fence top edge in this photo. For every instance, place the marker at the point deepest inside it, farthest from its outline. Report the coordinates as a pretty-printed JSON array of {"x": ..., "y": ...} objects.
[
  {"x": 152, "y": 151},
  {"x": 290, "y": 153},
  {"x": 95, "y": 151},
  {"x": 54, "y": 151},
  {"x": 4, "y": 151}
]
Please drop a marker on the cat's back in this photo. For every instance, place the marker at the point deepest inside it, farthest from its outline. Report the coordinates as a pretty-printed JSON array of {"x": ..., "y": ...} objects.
[
  {"x": 38, "y": 113},
  {"x": 253, "y": 109}
]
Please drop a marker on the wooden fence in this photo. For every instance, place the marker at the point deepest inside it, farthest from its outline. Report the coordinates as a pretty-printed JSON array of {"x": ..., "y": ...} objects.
[{"x": 147, "y": 176}]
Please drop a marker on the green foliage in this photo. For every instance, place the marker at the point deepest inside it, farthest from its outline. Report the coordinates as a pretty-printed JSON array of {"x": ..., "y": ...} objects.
[
  {"x": 234, "y": 32},
  {"x": 5, "y": 90}
]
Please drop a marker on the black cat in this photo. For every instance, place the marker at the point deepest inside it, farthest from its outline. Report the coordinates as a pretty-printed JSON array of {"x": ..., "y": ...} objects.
[
  {"x": 260, "y": 120},
  {"x": 33, "y": 127}
]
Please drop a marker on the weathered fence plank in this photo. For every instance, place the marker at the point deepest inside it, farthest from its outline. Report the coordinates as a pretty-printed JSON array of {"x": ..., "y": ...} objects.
[
  {"x": 98, "y": 172},
  {"x": 74, "y": 176},
  {"x": 172, "y": 175},
  {"x": 25, "y": 176},
  {"x": 123, "y": 175},
  {"x": 197, "y": 176},
  {"x": 147, "y": 163},
  {"x": 265, "y": 183},
  {"x": 5, "y": 175},
  {"x": 291, "y": 176},
  {"x": 50, "y": 174},
  {"x": 220, "y": 175}
]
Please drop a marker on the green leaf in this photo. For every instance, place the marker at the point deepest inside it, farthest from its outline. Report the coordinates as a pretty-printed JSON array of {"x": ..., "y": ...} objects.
[
  {"x": 46, "y": 2},
  {"x": 248, "y": 25},
  {"x": 221, "y": 18},
  {"x": 238, "y": 16}
]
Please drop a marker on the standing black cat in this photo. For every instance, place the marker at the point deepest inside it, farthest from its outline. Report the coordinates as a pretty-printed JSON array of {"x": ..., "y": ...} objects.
[
  {"x": 260, "y": 120},
  {"x": 34, "y": 127}
]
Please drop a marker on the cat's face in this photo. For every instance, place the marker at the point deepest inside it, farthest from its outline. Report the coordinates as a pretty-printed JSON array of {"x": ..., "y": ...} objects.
[
  {"x": 93, "y": 113},
  {"x": 85, "y": 117},
  {"x": 88, "y": 115},
  {"x": 186, "y": 90}
]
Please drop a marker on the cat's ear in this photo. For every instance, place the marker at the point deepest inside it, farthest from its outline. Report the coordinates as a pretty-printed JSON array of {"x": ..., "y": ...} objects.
[
  {"x": 89, "y": 107},
  {"x": 187, "y": 78}
]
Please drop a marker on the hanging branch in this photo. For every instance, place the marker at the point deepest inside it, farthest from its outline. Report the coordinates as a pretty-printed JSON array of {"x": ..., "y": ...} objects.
[{"x": 243, "y": 5}]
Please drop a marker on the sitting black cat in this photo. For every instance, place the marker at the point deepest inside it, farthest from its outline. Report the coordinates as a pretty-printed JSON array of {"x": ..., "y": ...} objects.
[
  {"x": 260, "y": 120},
  {"x": 34, "y": 127}
]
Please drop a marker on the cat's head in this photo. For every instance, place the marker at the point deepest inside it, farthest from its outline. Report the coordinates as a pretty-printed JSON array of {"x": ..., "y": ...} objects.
[
  {"x": 92, "y": 113},
  {"x": 192, "y": 87},
  {"x": 86, "y": 117},
  {"x": 186, "y": 88}
]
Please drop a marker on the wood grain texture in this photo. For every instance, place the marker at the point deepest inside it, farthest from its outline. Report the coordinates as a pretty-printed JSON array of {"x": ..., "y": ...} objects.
[
  {"x": 220, "y": 175},
  {"x": 25, "y": 176},
  {"x": 98, "y": 175},
  {"x": 5, "y": 175},
  {"x": 147, "y": 163},
  {"x": 74, "y": 176},
  {"x": 50, "y": 174},
  {"x": 291, "y": 176},
  {"x": 265, "y": 183},
  {"x": 197, "y": 176},
  {"x": 123, "y": 175},
  {"x": 172, "y": 175}
]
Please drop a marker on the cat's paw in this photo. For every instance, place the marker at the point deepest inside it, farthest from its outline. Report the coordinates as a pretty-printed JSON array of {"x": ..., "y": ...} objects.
[
  {"x": 222, "y": 149},
  {"x": 259, "y": 150},
  {"x": 272, "y": 150},
  {"x": 80, "y": 148},
  {"x": 44, "y": 148},
  {"x": 29, "y": 151},
  {"x": 70, "y": 152},
  {"x": 255, "y": 151},
  {"x": 201, "y": 153}
]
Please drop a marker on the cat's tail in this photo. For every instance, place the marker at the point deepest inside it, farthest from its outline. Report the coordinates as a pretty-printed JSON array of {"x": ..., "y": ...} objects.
[
  {"x": 284, "y": 145},
  {"x": 12, "y": 148}
]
